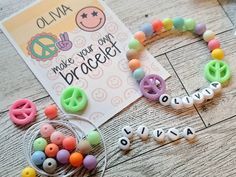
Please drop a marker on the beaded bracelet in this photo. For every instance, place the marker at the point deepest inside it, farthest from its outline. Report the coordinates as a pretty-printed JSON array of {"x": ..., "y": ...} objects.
[{"x": 153, "y": 86}]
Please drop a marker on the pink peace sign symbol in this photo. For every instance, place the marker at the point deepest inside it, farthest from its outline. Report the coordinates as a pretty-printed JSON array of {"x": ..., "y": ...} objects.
[
  {"x": 152, "y": 86},
  {"x": 22, "y": 112}
]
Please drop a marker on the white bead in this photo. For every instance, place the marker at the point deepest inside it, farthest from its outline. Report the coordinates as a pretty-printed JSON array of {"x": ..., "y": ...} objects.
[
  {"x": 128, "y": 132},
  {"x": 189, "y": 133},
  {"x": 165, "y": 99},
  {"x": 187, "y": 101},
  {"x": 142, "y": 132},
  {"x": 208, "y": 35},
  {"x": 176, "y": 103},
  {"x": 124, "y": 143},
  {"x": 159, "y": 135},
  {"x": 173, "y": 134},
  {"x": 216, "y": 86},
  {"x": 208, "y": 93},
  {"x": 198, "y": 98}
]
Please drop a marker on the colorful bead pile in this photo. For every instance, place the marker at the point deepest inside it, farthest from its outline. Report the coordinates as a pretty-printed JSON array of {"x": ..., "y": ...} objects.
[{"x": 153, "y": 86}]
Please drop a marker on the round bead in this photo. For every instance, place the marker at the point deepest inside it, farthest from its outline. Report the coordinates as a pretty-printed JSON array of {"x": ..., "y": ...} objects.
[
  {"x": 84, "y": 147},
  {"x": 189, "y": 24},
  {"x": 90, "y": 162},
  {"x": 165, "y": 99},
  {"x": 157, "y": 25},
  {"x": 94, "y": 138},
  {"x": 208, "y": 93},
  {"x": 69, "y": 143},
  {"x": 38, "y": 157},
  {"x": 134, "y": 64},
  {"x": 124, "y": 143},
  {"x": 173, "y": 134},
  {"x": 57, "y": 137},
  {"x": 76, "y": 159},
  {"x": 28, "y": 172},
  {"x": 140, "y": 36},
  {"x": 138, "y": 74},
  {"x": 167, "y": 24},
  {"x": 147, "y": 29},
  {"x": 143, "y": 132},
  {"x": 216, "y": 87},
  {"x": 50, "y": 165},
  {"x": 198, "y": 98},
  {"x": 132, "y": 54},
  {"x": 176, "y": 103},
  {"x": 51, "y": 111},
  {"x": 200, "y": 28},
  {"x": 187, "y": 101},
  {"x": 63, "y": 156},
  {"x": 217, "y": 54},
  {"x": 159, "y": 135},
  {"x": 189, "y": 133},
  {"x": 135, "y": 44},
  {"x": 178, "y": 23},
  {"x": 208, "y": 35},
  {"x": 128, "y": 132},
  {"x": 213, "y": 44},
  {"x": 39, "y": 144},
  {"x": 46, "y": 130},
  {"x": 51, "y": 150}
]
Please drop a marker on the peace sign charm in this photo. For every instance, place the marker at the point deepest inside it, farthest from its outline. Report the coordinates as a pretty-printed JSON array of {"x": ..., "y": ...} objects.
[{"x": 152, "y": 86}]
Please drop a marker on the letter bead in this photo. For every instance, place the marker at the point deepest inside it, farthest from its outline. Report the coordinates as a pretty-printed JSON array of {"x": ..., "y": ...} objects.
[
  {"x": 187, "y": 101},
  {"x": 173, "y": 134},
  {"x": 189, "y": 133},
  {"x": 124, "y": 143},
  {"x": 176, "y": 103},
  {"x": 208, "y": 93},
  {"x": 198, "y": 98},
  {"x": 159, "y": 135},
  {"x": 142, "y": 132},
  {"x": 165, "y": 99},
  {"x": 216, "y": 86},
  {"x": 128, "y": 132}
]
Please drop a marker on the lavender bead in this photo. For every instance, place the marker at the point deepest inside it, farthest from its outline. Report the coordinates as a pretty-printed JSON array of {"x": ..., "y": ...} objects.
[
  {"x": 63, "y": 156},
  {"x": 90, "y": 162},
  {"x": 200, "y": 28}
]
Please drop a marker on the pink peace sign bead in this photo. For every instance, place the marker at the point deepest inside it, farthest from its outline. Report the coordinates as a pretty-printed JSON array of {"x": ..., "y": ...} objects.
[
  {"x": 22, "y": 112},
  {"x": 152, "y": 86}
]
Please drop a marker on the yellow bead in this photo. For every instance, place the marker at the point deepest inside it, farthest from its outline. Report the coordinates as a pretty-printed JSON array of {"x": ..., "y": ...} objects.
[
  {"x": 28, "y": 172},
  {"x": 167, "y": 23},
  {"x": 217, "y": 54}
]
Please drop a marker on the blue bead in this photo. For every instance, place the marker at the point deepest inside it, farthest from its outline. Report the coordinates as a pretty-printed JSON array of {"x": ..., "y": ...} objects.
[
  {"x": 38, "y": 157},
  {"x": 138, "y": 74},
  {"x": 178, "y": 23},
  {"x": 147, "y": 29}
]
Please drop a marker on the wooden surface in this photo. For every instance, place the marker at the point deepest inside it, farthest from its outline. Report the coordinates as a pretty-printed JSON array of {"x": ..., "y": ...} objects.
[{"x": 184, "y": 56}]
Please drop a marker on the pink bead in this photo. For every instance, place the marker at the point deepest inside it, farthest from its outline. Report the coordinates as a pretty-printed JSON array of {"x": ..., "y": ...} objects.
[
  {"x": 46, "y": 130},
  {"x": 140, "y": 36},
  {"x": 213, "y": 44},
  {"x": 57, "y": 137},
  {"x": 157, "y": 25}
]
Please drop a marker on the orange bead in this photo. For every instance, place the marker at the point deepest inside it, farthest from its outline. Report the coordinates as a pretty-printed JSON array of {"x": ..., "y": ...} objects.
[
  {"x": 217, "y": 54},
  {"x": 140, "y": 36},
  {"x": 69, "y": 143},
  {"x": 51, "y": 150},
  {"x": 134, "y": 64},
  {"x": 76, "y": 159},
  {"x": 51, "y": 111},
  {"x": 157, "y": 25}
]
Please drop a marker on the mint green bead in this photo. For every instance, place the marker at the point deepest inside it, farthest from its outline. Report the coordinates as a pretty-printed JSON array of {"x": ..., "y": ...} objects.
[
  {"x": 135, "y": 44},
  {"x": 138, "y": 74},
  {"x": 178, "y": 23},
  {"x": 39, "y": 144},
  {"x": 189, "y": 24},
  {"x": 94, "y": 138}
]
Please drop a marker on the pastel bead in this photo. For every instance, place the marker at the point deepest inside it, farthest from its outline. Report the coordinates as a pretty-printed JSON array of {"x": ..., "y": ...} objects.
[
  {"x": 208, "y": 35},
  {"x": 213, "y": 44},
  {"x": 165, "y": 99},
  {"x": 216, "y": 87},
  {"x": 57, "y": 137},
  {"x": 176, "y": 103},
  {"x": 187, "y": 101},
  {"x": 147, "y": 29},
  {"x": 63, "y": 156},
  {"x": 217, "y": 54},
  {"x": 140, "y": 36},
  {"x": 167, "y": 24},
  {"x": 178, "y": 23},
  {"x": 51, "y": 112},
  {"x": 198, "y": 98},
  {"x": 76, "y": 159},
  {"x": 39, "y": 144},
  {"x": 84, "y": 146},
  {"x": 90, "y": 162},
  {"x": 157, "y": 25},
  {"x": 46, "y": 130},
  {"x": 124, "y": 143},
  {"x": 143, "y": 132},
  {"x": 134, "y": 44},
  {"x": 189, "y": 133},
  {"x": 189, "y": 24},
  {"x": 173, "y": 134},
  {"x": 28, "y": 172},
  {"x": 159, "y": 135},
  {"x": 132, "y": 54},
  {"x": 38, "y": 157},
  {"x": 208, "y": 93},
  {"x": 69, "y": 143},
  {"x": 138, "y": 74},
  {"x": 134, "y": 64},
  {"x": 200, "y": 28},
  {"x": 94, "y": 138},
  {"x": 50, "y": 165},
  {"x": 128, "y": 132},
  {"x": 51, "y": 150}
]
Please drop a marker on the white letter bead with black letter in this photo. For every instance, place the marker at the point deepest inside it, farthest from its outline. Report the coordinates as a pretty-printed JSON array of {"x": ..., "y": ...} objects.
[
  {"x": 208, "y": 93},
  {"x": 189, "y": 133},
  {"x": 142, "y": 132},
  {"x": 216, "y": 86},
  {"x": 187, "y": 101},
  {"x": 159, "y": 135},
  {"x": 173, "y": 134},
  {"x": 198, "y": 98},
  {"x": 128, "y": 132},
  {"x": 176, "y": 103},
  {"x": 124, "y": 143},
  {"x": 165, "y": 99}
]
